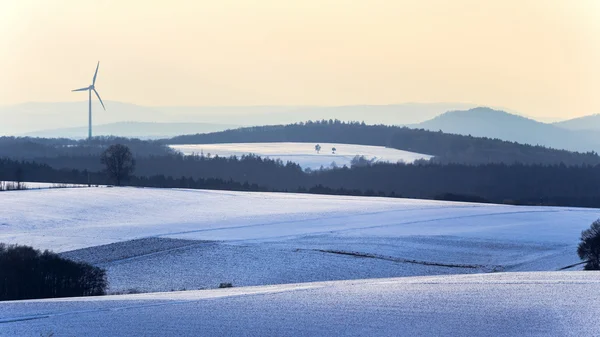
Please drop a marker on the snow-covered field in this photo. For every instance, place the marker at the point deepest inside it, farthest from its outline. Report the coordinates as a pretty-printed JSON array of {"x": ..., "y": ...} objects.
[
  {"x": 304, "y": 153},
  {"x": 499, "y": 304},
  {"x": 37, "y": 185},
  {"x": 194, "y": 239},
  {"x": 153, "y": 240}
]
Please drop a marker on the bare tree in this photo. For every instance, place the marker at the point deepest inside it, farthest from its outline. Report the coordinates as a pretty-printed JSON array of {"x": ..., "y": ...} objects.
[{"x": 119, "y": 162}]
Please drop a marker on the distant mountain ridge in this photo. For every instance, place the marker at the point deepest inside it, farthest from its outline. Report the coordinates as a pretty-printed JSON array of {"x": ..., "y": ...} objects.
[
  {"x": 69, "y": 119},
  {"x": 31, "y": 117},
  {"x": 486, "y": 122},
  {"x": 591, "y": 122},
  {"x": 134, "y": 130}
]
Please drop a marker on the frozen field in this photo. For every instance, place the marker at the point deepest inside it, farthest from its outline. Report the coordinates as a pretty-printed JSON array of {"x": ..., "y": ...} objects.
[
  {"x": 499, "y": 304},
  {"x": 170, "y": 239},
  {"x": 153, "y": 240},
  {"x": 304, "y": 153},
  {"x": 36, "y": 185}
]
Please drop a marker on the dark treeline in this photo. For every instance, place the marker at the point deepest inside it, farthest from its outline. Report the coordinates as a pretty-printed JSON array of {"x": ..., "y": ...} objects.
[
  {"x": 12, "y": 170},
  {"x": 262, "y": 171},
  {"x": 499, "y": 183},
  {"x": 447, "y": 148},
  {"x": 26, "y": 273},
  {"x": 32, "y": 148}
]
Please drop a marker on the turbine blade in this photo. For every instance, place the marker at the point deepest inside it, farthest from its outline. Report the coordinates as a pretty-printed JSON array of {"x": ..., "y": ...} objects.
[
  {"x": 96, "y": 73},
  {"x": 82, "y": 89},
  {"x": 99, "y": 99}
]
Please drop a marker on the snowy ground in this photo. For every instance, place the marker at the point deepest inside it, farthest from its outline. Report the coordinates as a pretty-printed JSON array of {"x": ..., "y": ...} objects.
[
  {"x": 36, "y": 185},
  {"x": 153, "y": 240},
  {"x": 499, "y": 304},
  {"x": 203, "y": 265},
  {"x": 304, "y": 153},
  {"x": 195, "y": 239}
]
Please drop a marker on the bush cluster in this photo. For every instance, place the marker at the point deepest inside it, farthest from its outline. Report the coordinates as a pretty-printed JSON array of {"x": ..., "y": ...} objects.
[{"x": 27, "y": 273}]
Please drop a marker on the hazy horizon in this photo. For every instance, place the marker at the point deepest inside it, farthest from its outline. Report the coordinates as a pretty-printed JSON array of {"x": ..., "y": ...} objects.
[
  {"x": 453, "y": 106},
  {"x": 538, "y": 58}
]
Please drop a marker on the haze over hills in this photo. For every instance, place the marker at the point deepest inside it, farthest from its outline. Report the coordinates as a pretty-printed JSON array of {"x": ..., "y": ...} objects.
[
  {"x": 69, "y": 119},
  {"x": 591, "y": 122},
  {"x": 392, "y": 114},
  {"x": 141, "y": 130},
  {"x": 486, "y": 122},
  {"x": 35, "y": 117}
]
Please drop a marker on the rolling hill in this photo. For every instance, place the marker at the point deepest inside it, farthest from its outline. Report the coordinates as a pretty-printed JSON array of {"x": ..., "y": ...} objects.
[
  {"x": 139, "y": 130},
  {"x": 500, "y": 304},
  {"x": 143, "y": 235},
  {"x": 486, "y": 122},
  {"x": 34, "y": 116},
  {"x": 305, "y": 154},
  {"x": 589, "y": 123},
  {"x": 445, "y": 147},
  {"x": 352, "y": 255}
]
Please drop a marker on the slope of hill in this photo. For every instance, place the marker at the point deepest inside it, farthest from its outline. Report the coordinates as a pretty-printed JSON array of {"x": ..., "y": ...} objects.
[
  {"x": 485, "y": 122},
  {"x": 31, "y": 117},
  {"x": 275, "y": 240},
  {"x": 34, "y": 116},
  {"x": 549, "y": 185},
  {"x": 271, "y": 238},
  {"x": 445, "y": 147},
  {"x": 305, "y": 155},
  {"x": 590, "y": 123},
  {"x": 139, "y": 130},
  {"x": 501, "y": 304},
  {"x": 393, "y": 114}
]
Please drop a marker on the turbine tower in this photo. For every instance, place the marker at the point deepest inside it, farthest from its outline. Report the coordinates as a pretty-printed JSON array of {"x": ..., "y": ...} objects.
[{"x": 89, "y": 90}]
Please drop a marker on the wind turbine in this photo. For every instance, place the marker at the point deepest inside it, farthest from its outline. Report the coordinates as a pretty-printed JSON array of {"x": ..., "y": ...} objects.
[{"x": 90, "y": 89}]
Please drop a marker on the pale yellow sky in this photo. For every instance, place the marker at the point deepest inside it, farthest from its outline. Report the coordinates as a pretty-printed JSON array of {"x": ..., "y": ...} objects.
[{"x": 541, "y": 58}]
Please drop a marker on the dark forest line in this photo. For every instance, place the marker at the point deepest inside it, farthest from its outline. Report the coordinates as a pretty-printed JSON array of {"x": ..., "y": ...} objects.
[
  {"x": 29, "y": 148},
  {"x": 558, "y": 185},
  {"x": 447, "y": 148}
]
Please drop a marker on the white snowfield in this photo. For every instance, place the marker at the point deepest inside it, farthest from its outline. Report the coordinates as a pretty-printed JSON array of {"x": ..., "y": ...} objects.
[
  {"x": 194, "y": 239},
  {"x": 153, "y": 240},
  {"x": 304, "y": 153},
  {"x": 37, "y": 185},
  {"x": 499, "y": 304}
]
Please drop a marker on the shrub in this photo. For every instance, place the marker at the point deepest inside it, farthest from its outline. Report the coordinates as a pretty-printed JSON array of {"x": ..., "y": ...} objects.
[
  {"x": 589, "y": 247},
  {"x": 27, "y": 273}
]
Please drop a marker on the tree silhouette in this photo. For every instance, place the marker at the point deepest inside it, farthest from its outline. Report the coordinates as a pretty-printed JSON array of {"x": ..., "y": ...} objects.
[
  {"x": 589, "y": 247},
  {"x": 29, "y": 273},
  {"x": 119, "y": 162},
  {"x": 333, "y": 149},
  {"x": 318, "y": 148}
]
